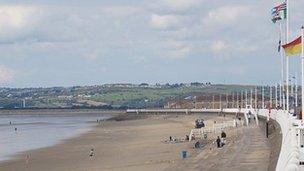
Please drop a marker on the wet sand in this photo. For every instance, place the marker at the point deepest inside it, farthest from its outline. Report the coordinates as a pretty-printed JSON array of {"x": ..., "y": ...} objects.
[
  {"x": 131, "y": 143},
  {"x": 59, "y": 111}
]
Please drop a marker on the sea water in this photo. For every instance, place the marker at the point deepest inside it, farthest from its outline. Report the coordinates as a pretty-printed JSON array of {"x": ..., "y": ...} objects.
[{"x": 38, "y": 131}]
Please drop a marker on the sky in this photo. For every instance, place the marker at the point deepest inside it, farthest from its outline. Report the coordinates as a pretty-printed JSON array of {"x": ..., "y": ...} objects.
[{"x": 46, "y": 43}]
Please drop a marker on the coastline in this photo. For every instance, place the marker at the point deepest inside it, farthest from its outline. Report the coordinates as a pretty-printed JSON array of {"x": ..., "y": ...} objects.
[
  {"x": 64, "y": 155},
  {"x": 60, "y": 111},
  {"x": 39, "y": 129}
]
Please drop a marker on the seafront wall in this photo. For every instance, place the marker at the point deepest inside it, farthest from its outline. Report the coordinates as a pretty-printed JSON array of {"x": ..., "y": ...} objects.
[
  {"x": 290, "y": 152},
  {"x": 289, "y": 157}
]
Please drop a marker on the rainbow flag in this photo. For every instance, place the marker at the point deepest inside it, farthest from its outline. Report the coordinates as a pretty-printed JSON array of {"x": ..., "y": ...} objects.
[{"x": 294, "y": 47}]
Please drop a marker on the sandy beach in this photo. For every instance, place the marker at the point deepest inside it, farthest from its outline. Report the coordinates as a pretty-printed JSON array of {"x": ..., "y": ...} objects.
[{"x": 138, "y": 143}]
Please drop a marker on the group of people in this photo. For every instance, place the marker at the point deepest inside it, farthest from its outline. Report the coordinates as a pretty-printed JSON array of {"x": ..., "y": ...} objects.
[
  {"x": 171, "y": 139},
  {"x": 250, "y": 115},
  {"x": 221, "y": 141},
  {"x": 15, "y": 128},
  {"x": 187, "y": 138},
  {"x": 99, "y": 121}
]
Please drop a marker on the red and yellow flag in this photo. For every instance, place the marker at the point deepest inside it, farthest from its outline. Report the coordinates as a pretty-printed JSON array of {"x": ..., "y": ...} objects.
[{"x": 294, "y": 47}]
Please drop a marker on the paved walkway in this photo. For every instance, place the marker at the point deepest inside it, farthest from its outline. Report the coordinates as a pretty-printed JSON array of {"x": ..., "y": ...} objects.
[{"x": 248, "y": 150}]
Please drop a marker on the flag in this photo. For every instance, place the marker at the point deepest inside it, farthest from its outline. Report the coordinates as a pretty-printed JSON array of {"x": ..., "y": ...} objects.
[
  {"x": 279, "y": 11},
  {"x": 276, "y": 17},
  {"x": 294, "y": 47},
  {"x": 279, "y": 8}
]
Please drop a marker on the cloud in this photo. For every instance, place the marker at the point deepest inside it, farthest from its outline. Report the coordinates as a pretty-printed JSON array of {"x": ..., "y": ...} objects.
[
  {"x": 164, "y": 21},
  {"x": 219, "y": 46},
  {"x": 133, "y": 35},
  {"x": 17, "y": 21},
  {"x": 6, "y": 75},
  {"x": 227, "y": 50},
  {"x": 181, "y": 5},
  {"x": 15, "y": 16},
  {"x": 226, "y": 16},
  {"x": 173, "y": 49},
  {"x": 119, "y": 11}
]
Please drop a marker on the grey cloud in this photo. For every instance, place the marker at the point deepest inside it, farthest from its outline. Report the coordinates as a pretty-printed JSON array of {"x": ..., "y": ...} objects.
[{"x": 111, "y": 40}]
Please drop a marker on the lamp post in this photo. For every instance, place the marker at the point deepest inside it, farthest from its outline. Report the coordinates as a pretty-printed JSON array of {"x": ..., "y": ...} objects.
[{"x": 263, "y": 98}]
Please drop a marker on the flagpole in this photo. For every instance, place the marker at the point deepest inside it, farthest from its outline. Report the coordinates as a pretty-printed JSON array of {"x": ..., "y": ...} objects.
[
  {"x": 302, "y": 57},
  {"x": 282, "y": 101},
  {"x": 276, "y": 95},
  {"x": 256, "y": 98},
  {"x": 291, "y": 93},
  {"x": 251, "y": 98},
  {"x": 296, "y": 91},
  {"x": 221, "y": 101},
  {"x": 270, "y": 97},
  {"x": 237, "y": 99},
  {"x": 242, "y": 101},
  {"x": 227, "y": 104},
  {"x": 246, "y": 99},
  {"x": 263, "y": 104},
  {"x": 287, "y": 58}
]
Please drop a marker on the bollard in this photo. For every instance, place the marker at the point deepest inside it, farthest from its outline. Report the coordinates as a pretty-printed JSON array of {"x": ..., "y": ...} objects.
[{"x": 267, "y": 129}]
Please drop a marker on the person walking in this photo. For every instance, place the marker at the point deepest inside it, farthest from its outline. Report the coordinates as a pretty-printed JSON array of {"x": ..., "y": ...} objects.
[
  {"x": 218, "y": 142},
  {"x": 223, "y": 134},
  {"x": 249, "y": 116},
  {"x": 223, "y": 138},
  {"x": 91, "y": 154}
]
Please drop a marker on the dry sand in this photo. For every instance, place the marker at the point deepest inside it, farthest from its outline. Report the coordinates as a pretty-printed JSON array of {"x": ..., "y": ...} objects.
[{"x": 136, "y": 144}]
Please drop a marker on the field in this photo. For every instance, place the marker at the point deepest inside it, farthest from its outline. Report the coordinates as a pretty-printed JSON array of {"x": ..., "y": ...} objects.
[{"x": 110, "y": 96}]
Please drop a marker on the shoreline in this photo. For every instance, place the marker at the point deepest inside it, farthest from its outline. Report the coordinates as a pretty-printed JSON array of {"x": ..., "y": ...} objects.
[
  {"x": 21, "y": 155},
  {"x": 59, "y": 111},
  {"x": 82, "y": 128},
  {"x": 112, "y": 116}
]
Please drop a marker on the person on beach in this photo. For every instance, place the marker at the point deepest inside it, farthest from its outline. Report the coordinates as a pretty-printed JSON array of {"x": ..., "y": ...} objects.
[
  {"x": 15, "y": 129},
  {"x": 218, "y": 142},
  {"x": 239, "y": 118},
  {"x": 27, "y": 159},
  {"x": 91, "y": 154},
  {"x": 223, "y": 134},
  {"x": 192, "y": 137},
  {"x": 187, "y": 138},
  {"x": 170, "y": 138},
  {"x": 223, "y": 138},
  {"x": 249, "y": 116},
  {"x": 197, "y": 145}
]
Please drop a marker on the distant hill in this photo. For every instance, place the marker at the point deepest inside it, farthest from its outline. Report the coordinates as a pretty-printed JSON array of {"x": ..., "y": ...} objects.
[{"x": 109, "y": 95}]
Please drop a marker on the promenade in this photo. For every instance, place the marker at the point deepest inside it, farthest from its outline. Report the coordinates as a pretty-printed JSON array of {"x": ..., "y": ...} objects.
[
  {"x": 291, "y": 132},
  {"x": 248, "y": 150}
]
